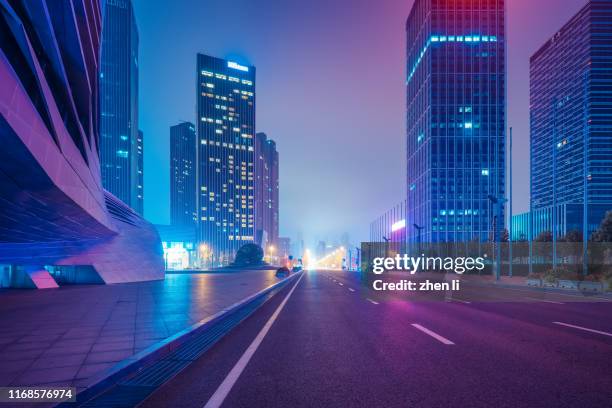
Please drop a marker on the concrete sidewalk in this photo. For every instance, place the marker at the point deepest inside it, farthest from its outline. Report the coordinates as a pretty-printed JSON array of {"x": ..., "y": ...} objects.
[{"x": 69, "y": 335}]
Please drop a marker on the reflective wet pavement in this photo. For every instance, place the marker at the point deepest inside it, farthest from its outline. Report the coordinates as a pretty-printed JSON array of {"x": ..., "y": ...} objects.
[{"x": 68, "y": 335}]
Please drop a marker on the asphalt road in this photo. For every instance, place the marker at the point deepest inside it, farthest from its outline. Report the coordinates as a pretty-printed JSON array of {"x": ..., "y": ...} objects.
[{"x": 333, "y": 345}]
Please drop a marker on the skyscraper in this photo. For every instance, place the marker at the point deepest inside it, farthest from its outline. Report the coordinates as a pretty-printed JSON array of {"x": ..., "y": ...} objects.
[
  {"x": 571, "y": 123},
  {"x": 225, "y": 95},
  {"x": 119, "y": 102},
  {"x": 456, "y": 109},
  {"x": 266, "y": 191},
  {"x": 183, "y": 174}
]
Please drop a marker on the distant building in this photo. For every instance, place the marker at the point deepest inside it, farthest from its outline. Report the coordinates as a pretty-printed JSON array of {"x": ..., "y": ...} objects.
[
  {"x": 456, "y": 110},
  {"x": 225, "y": 99},
  {"x": 57, "y": 224},
  {"x": 390, "y": 226},
  {"x": 180, "y": 246},
  {"x": 571, "y": 125},
  {"x": 321, "y": 250},
  {"x": 266, "y": 191},
  {"x": 183, "y": 174},
  {"x": 119, "y": 103},
  {"x": 284, "y": 247}
]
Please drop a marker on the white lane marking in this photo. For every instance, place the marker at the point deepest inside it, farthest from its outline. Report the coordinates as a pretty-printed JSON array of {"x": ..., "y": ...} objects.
[
  {"x": 351, "y": 289},
  {"x": 545, "y": 300},
  {"x": 434, "y": 335},
  {"x": 586, "y": 298},
  {"x": 340, "y": 283},
  {"x": 371, "y": 301},
  {"x": 226, "y": 386},
  {"x": 584, "y": 328}
]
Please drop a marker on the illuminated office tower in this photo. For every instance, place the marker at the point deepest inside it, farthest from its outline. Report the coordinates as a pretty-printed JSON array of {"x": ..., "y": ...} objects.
[
  {"x": 119, "y": 103},
  {"x": 456, "y": 109},
  {"x": 183, "y": 174},
  {"x": 266, "y": 191},
  {"x": 571, "y": 107},
  {"x": 225, "y": 155}
]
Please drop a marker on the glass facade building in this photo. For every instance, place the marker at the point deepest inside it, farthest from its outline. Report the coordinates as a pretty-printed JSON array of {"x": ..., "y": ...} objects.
[
  {"x": 571, "y": 121},
  {"x": 390, "y": 226},
  {"x": 183, "y": 174},
  {"x": 225, "y": 101},
  {"x": 456, "y": 119},
  {"x": 119, "y": 103},
  {"x": 266, "y": 191}
]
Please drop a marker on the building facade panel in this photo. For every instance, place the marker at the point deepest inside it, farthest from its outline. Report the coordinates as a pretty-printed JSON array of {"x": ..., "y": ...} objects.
[{"x": 53, "y": 210}]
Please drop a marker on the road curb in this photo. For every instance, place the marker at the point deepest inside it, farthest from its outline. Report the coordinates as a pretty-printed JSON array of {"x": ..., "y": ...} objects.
[{"x": 161, "y": 349}]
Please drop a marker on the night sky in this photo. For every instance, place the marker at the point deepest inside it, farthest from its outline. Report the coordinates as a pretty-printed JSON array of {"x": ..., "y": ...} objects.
[{"x": 330, "y": 91}]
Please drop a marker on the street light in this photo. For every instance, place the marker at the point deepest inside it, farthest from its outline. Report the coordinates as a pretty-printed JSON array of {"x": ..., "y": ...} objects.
[
  {"x": 498, "y": 202},
  {"x": 419, "y": 229}
]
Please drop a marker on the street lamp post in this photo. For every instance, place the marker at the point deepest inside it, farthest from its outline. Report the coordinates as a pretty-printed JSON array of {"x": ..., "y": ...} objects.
[
  {"x": 419, "y": 228},
  {"x": 497, "y": 202},
  {"x": 510, "y": 210}
]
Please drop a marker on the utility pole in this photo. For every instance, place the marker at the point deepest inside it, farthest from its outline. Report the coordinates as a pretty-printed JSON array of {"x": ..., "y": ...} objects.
[{"x": 554, "y": 187}]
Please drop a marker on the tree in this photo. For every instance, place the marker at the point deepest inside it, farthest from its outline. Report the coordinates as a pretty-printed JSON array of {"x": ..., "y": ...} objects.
[
  {"x": 604, "y": 232},
  {"x": 249, "y": 255},
  {"x": 572, "y": 236},
  {"x": 544, "y": 236}
]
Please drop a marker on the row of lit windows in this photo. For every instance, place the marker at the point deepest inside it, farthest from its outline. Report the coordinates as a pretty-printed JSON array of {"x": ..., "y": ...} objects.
[
  {"x": 225, "y": 77},
  {"x": 470, "y": 39},
  {"x": 239, "y": 238},
  {"x": 228, "y": 145}
]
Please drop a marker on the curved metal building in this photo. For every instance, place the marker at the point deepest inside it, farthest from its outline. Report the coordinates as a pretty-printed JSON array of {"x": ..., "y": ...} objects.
[{"x": 54, "y": 214}]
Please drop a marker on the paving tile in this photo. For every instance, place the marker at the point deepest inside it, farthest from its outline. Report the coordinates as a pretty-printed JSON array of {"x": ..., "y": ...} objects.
[
  {"x": 117, "y": 345},
  {"x": 36, "y": 377},
  {"x": 66, "y": 360},
  {"x": 108, "y": 356},
  {"x": 86, "y": 371}
]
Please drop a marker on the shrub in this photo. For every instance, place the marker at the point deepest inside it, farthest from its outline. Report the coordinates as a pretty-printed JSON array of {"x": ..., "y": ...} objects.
[
  {"x": 249, "y": 255},
  {"x": 560, "y": 273}
]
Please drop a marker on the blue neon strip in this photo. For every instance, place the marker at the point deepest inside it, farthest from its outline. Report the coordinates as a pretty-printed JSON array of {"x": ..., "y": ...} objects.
[{"x": 451, "y": 39}]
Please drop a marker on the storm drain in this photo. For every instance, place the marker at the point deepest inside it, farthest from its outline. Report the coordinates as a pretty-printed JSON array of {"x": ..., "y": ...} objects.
[{"x": 136, "y": 387}]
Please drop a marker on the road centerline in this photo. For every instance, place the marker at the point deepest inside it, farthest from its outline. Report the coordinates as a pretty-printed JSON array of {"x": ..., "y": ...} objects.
[
  {"x": 583, "y": 328},
  {"x": 435, "y": 335},
  {"x": 228, "y": 383}
]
